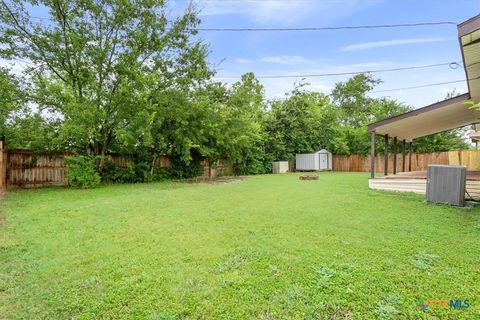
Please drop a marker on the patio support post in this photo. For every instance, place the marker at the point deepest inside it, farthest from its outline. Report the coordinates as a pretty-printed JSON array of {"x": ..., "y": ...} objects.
[
  {"x": 394, "y": 155},
  {"x": 372, "y": 157},
  {"x": 385, "y": 154},
  {"x": 410, "y": 150},
  {"x": 403, "y": 155}
]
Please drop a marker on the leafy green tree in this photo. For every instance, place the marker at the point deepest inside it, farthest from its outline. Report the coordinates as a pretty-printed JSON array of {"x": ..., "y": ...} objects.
[
  {"x": 215, "y": 123},
  {"x": 473, "y": 104},
  {"x": 358, "y": 110},
  {"x": 351, "y": 98},
  {"x": 304, "y": 122},
  {"x": 244, "y": 133},
  {"x": 12, "y": 101},
  {"x": 444, "y": 141},
  {"x": 99, "y": 62},
  {"x": 30, "y": 130}
]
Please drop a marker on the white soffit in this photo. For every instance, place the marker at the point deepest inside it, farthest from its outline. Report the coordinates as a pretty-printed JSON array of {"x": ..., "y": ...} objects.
[
  {"x": 438, "y": 117},
  {"x": 471, "y": 54},
  {"x": 469, "y": 32}
]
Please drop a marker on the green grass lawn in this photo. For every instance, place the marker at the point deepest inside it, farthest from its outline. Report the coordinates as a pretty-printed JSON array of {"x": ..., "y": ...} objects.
[{"x": 269, "y": 247}]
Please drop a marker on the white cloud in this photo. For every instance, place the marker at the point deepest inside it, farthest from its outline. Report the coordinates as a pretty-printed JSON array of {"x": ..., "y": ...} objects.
[
  {"x": 389, "y": 43},
  {"x": 242, "y": 61},
  {"x": 283, "y": 11},
  {"x": 320, "y": 87},
  {"x": 287, "y": 60}
]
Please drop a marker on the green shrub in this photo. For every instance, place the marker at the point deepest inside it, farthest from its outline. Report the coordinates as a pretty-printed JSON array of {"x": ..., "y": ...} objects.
[
  {"x": 81, "y": 172},
  {"x": 184, "y": 170},
  {"x": 135, "y": 172},
  {"x": 112, "y": 173}
]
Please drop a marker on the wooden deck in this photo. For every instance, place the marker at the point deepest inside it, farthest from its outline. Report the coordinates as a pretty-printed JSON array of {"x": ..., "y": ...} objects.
[
  {"x": 416, "y": 181},
  {"x": 471, "y": 175}
]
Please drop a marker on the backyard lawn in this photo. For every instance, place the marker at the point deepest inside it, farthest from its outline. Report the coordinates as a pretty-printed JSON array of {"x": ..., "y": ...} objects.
[{"x": 267, "y": 247}]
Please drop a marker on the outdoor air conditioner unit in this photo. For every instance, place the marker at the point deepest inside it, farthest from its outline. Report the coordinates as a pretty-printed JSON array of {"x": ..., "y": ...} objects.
[{"x": 446, "y": 184}]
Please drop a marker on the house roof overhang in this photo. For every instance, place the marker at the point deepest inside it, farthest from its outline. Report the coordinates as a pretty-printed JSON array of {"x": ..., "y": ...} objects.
[
  {"x": 450, "y": 113},
  {"x": 437, "y": 117},
  {"x": 469, "y": 37}
]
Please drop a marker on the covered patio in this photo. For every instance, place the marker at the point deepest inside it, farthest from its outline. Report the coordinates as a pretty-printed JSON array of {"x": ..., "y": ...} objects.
[{"x": 438, "y": 117}]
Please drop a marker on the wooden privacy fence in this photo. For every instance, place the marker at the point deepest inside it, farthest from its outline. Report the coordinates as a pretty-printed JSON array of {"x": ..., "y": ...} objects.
[
  {"x": 420, "y": 161},
  {"x": 27, "y": 169},
  {"x": 21, "y": 168},
  {"x": 3, "y": 167}
]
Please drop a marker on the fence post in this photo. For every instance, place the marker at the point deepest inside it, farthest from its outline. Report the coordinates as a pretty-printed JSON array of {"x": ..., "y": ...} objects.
[{"x": 3, "y": 166}]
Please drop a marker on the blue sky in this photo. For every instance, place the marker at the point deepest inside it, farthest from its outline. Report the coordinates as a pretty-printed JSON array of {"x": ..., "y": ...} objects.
[
  {"x": 287, "y": 53},
  {"x": 284, "y": 53}
]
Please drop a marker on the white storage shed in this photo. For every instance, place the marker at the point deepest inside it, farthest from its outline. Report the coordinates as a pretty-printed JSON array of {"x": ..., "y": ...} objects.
[{"x": 317, "y": 161}]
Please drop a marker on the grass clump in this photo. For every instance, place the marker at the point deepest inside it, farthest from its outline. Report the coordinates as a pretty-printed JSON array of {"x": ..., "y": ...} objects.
[
  {"x": 324, "y": 277},
  {"x": 424, "y": 261},
  {"x": 387, "y": 309}
]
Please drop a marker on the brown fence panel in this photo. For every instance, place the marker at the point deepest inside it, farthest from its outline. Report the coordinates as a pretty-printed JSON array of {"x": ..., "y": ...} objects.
[
  {"x": 28, "y": 169},
  {"x": 420, "y": 161},
  {"x": 219, "y": 168},
  {"x": 3, "y": 167},
  {"x": 470, "y": 158}
]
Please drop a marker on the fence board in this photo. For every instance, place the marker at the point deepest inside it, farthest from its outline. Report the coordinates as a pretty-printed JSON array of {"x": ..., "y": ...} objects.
[
  {"x": 26, "y": 169},
  {"x": 3, "y": 167},
  {"x": 420, "y": 161}
]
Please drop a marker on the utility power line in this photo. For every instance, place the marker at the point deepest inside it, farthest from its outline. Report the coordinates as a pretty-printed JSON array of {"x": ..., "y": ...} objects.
[
  {"x": 415, "y": 87},
  {"x": 333, "y": 28},
  {"x": 379, "y": 26},
  {"x": 452, "y": 65},
  {"x": 423, "y": 86}
]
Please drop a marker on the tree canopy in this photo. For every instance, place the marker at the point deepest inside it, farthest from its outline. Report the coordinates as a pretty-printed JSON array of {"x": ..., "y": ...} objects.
[{"x": 126, "y": 77}]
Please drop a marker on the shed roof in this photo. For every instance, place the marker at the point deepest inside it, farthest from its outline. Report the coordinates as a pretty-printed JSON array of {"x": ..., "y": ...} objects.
[
  {"x": 447, "y": 114},
  {"x": 316, "y": 152}
]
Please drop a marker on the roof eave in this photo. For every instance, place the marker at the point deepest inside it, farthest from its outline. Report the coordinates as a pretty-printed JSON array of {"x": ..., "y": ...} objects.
[
  {"x": 413, "y": 113},
  {"x": 469, "y": 26}
]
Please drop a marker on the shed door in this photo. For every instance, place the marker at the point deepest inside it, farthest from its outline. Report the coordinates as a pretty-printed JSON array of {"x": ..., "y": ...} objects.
[{"x": 323, "y": 161}]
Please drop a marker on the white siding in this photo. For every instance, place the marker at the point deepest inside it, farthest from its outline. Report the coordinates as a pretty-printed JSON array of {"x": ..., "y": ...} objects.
[
  {"x": 306, "y": 161},
  {"x": 311, "y": 161}
]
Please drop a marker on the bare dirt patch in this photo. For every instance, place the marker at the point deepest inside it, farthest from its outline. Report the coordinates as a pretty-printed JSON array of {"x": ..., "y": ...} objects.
[
  {"x": 220, "y": 180},
  {"x": 309, "y": 177}
]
